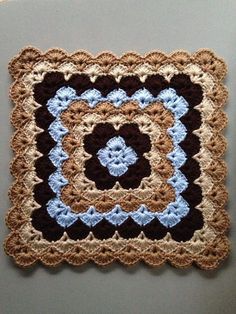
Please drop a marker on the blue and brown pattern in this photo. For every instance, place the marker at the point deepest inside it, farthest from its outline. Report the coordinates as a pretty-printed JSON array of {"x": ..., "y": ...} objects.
[{"x": 118, "y": 159}]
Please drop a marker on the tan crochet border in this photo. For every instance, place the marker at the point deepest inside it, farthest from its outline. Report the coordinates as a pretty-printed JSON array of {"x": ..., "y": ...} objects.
[
  {"x": 128, "y": 200},
  {"x": 208, "y": 246}
]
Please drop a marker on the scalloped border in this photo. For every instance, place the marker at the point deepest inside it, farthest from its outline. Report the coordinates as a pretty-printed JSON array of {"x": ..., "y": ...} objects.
[{"x": 128, "y": 252}]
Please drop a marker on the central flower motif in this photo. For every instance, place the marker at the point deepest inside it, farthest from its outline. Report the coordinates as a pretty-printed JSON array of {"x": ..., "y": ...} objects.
[{"x": 116, "y": 156}]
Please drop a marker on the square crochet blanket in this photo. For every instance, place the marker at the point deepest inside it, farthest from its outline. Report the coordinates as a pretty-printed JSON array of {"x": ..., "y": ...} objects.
[{"x": 118, "y": 159}]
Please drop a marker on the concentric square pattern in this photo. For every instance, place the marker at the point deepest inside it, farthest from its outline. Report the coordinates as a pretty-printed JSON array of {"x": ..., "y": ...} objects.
[{"x": 118, "y": 159}]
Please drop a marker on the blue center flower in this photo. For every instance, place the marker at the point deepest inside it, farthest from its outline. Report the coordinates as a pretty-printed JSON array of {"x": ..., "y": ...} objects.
[{"x": 116, "y": 156}]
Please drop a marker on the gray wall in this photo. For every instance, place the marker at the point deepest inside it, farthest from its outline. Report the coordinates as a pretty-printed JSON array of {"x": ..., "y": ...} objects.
[{"x": 115, "y": 25}]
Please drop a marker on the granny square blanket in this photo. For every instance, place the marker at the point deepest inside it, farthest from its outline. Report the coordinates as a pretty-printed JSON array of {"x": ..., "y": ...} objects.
[{"x": 118, "y": 159}]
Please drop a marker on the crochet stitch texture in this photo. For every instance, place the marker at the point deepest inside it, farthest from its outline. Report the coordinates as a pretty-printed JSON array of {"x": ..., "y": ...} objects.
[{"x": 118, "y": 159}]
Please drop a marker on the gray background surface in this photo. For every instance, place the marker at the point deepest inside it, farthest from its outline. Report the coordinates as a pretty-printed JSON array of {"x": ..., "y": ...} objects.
[{"x": 117, "y": 25}]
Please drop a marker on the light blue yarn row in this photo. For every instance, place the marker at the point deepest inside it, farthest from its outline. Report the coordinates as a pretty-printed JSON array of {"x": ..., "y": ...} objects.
[
  {"x": 173, "y": 102},
  {"x": 55, "y": 207},
  {"x": 174, "y": 212},
  {"x": 170, "y": 217}
]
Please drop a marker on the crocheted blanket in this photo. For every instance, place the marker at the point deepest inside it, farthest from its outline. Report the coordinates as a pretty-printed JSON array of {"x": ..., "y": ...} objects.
[{"x": 118, "y": 158}]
